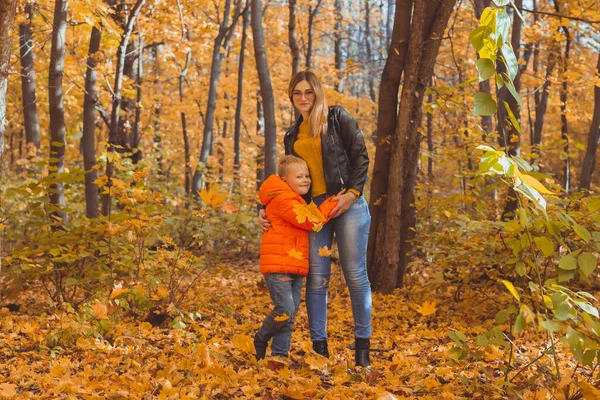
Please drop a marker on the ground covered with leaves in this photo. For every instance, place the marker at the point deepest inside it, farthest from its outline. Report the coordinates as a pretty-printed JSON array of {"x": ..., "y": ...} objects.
[{"x": 425, "y": 346}]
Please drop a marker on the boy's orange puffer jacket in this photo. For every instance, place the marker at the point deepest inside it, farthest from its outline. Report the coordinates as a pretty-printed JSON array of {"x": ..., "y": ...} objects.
[{"x": 284, "y": 247}]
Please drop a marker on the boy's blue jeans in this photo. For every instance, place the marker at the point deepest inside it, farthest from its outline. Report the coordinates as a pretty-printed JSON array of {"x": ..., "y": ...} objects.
[
  {"x": 285, "y": 291},
  {"x": 352, "y": 234}
]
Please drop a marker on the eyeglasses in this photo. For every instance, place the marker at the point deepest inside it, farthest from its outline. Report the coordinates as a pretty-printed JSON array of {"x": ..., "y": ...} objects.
[{"x": 309, "y": 94}]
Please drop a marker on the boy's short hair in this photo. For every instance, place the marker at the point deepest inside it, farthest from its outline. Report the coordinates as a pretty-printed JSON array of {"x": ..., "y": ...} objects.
[{"x": 283, "y": 166}]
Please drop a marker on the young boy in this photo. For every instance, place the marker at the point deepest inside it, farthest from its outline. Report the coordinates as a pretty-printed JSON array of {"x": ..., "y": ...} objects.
[{"x": 284, "y": 249}]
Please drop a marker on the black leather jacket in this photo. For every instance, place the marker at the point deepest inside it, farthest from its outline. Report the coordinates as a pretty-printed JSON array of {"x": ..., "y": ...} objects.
[{"x": 345, "y": 158}]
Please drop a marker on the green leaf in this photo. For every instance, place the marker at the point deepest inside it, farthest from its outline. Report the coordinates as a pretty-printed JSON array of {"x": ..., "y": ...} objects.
[
  {"x": 532, "y": 195},
  {"x": 484, "y": 104},
  {"x": 545, "y": 245},
  {"x": 587, "y": 263},
  {"x": 502, "y": 316},
  {"x": 519, "y": 323},
  {"x": 511, "y": 117},
  {"x": 567, "y": 263},
  {"x": 481, "y": 340},
  {"x": 510, "y": 60},
  {"x": 582, "y": 232},
  {"x": 588, "y": 357},
  {"x": 455, "y": 353},
  {"x": 511, "y": 88},
  {"x": 458, "y": 337},
  {"x": 587, "y": 307},
  {"x": 550, "y": 326},
  {"x": 565, "y": 275},
  {"x": 501, "y": 3},
  {"x": 503, "y": 24},
  {"x": 511, "y": 289},
  {"x": 520, "y": 268},
  {"x": 486, "y": 69}
]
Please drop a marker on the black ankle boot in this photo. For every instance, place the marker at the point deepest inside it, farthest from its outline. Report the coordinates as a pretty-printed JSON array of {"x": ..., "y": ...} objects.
[
  {"x": 320, "y": 347},
  {"x": 261, "y": 348},
  {"x": 361, "y": 352}
]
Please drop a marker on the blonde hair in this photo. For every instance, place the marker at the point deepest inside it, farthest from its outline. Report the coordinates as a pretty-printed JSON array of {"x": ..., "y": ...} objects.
[
  {"x": 319, "y": 112},
  {"x": 283, "y": 166}
]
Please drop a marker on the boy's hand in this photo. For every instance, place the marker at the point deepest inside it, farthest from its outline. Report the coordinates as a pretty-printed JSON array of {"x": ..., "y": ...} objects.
[
  {"x": 345, "y": 200},
  {"x": 263, "y": 221}
]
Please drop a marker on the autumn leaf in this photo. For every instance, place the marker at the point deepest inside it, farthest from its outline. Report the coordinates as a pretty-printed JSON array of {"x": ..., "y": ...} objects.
[
  {"x": 243, "y": 343},
  {"x": 296, "y": 254},
  {"x": 281, "y": 318},
  {"x": 100, "y": 311},
  {"x": 427, "y": 308},
  {"x": 229, "y": 208},
  {"x": 324, "y": 251},
  {"x": 211, "y": 197},
  {"x": 308, "y": 212},
  {"x": 7, "y": 390},
  {"x": 315, "y": 362}
]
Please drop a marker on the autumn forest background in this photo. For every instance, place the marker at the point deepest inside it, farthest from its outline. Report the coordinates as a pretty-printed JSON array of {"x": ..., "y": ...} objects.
[{"x": 134, "y": 136}]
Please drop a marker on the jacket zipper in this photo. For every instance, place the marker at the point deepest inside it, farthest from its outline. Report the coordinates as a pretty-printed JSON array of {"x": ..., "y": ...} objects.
[{"x": 337, "y": 161}]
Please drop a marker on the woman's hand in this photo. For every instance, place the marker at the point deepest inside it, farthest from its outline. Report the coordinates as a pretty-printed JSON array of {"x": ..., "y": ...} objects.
[
  {"x": 345, "y": 200},
  {"x": 263, "y": 221}
]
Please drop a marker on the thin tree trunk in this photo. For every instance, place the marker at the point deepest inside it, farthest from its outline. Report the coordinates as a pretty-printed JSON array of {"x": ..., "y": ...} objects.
[
  {"x": 389, "y": 23},
  {"x": 260, "y": 131},
  {"x": 339, "y": 60},
  {"x": 8, "y": 10},
  {"x": 88, "y": 138},
  {"x": 369, "y": 60},
  {"x": 238, "y": 107},
  {"x": 135, "y": 132},
  {"x": 293, "y": 41},
  {"x": 56, "y": 108},
  {"x": 386, "y": 124},
  {"x": 589, "y": 159},
  {"x": 542, "y": 105},
  {"x": 266, "y": 90},
  {"x": 28, "y": 86},
  {"x": 113, "y": 135},
  {"x": 215, "y": 75},
  {"x": 186, "y": 141},
  {"x": 312, "y": 14},
  {"x": 564, "y": 92}
]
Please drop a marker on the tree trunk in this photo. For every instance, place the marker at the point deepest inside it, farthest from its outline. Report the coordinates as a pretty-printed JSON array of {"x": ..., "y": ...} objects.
[
  {"x": 186, "y": 141},
  {"x": 266, "y": 90},
  {"x": 260, "y": 131},
  {"x": 589, "y": 160},
  {"x": 294, "y": 48},
  {"x": 239, "y": 102},
  {"x": 215, "y": 75},
  {"x": 56, "y": 108},
  {"x": 486, "y": 120},
  {"x": 8, "y": 10},
  {"x": 89, "y": 124},
  {"x": 542, "y": 105},
  {"x": 393, "y": 245},
  {"x": 564, "y": 92},
  {"x": 30, "y": 114},
  {"x": 339, "y": 60},
  {"x": 135, "y": 132},
  {"x": 369, "y": 61},
  {"x": 113, "y": 136},
  {"x": 389, "y": 22},
  {"x": 312, "y": 14},
  {"x": 386, "y": 123}
]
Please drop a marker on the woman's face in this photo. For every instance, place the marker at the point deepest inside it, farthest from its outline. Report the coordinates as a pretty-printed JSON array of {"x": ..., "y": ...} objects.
[{"x": 303, "y": 96}]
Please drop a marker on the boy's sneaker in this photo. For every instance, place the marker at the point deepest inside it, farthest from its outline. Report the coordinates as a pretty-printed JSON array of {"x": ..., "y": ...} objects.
[{"x": 261, "y": 348}]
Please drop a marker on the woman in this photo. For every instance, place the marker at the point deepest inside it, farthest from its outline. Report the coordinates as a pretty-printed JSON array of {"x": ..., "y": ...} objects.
[{"x": 330, "y": 142}]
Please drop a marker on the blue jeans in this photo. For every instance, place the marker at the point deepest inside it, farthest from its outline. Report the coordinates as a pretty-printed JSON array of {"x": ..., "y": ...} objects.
[
  {"x": 352, "y": 234},
  {"x": 285, "y": 291}
]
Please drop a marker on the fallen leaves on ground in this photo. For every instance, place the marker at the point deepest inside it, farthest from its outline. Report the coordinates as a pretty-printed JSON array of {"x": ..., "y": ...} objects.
[{"x": 213, "y": 356}]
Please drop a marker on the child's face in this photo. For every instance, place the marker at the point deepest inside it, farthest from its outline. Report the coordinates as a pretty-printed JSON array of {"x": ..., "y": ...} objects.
[{"x": 298, "y": 178}]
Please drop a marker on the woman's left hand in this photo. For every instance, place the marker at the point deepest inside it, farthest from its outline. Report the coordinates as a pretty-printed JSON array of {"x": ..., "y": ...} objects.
[{"x": 345, "y": 200}]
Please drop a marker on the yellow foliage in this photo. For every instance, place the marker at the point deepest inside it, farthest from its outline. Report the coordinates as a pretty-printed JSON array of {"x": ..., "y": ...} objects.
[
  {"x": 324, "y": 251},
  {"x": 296, "y": 254},
  {"x": 308, "y": 212},
  {"x": 211, "y": 197}
]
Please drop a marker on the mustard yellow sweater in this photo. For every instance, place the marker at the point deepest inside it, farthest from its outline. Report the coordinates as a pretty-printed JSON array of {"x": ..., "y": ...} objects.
[{"x": 308, "y": 148}]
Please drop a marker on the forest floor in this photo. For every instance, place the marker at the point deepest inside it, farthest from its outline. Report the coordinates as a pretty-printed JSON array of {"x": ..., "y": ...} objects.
[{"x": 213, "y": 356}]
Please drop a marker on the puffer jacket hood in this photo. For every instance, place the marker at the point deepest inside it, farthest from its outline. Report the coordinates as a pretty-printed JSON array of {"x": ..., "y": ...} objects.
[{"x": 284, "y": 247}]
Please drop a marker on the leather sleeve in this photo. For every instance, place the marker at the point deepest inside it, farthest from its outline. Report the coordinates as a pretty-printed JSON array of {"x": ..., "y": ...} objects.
[{"x": 354, "y": 145}]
